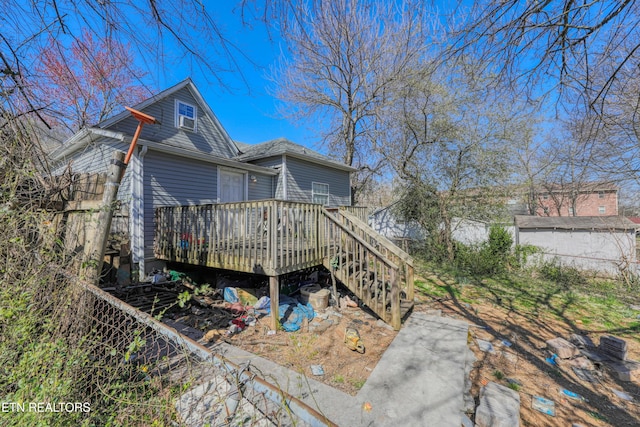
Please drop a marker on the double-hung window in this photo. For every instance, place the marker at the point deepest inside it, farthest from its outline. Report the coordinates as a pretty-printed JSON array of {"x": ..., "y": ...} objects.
[{"x": 320, "y": 193}]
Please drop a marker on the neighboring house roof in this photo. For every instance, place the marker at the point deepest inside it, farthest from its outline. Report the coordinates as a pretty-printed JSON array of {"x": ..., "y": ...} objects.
[
  {"x": 583, "y": 187},
  {"x": 575, "y": 222},
  {"x": 634, "y": 219},
  {"x": 283, "y": 146}
]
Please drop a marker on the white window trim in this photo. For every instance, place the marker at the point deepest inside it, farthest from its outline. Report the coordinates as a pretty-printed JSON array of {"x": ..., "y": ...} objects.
[
  {"x": 314, "y": 193},
  {"x": 177, "y": 115},
  {"x": 602, "y": 210}
]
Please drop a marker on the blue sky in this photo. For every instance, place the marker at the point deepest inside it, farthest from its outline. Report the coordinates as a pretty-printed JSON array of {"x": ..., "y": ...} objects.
[{"x": 246, "y": 110}]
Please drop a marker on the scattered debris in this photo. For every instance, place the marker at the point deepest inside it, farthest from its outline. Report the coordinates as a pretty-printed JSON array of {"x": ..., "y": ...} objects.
[
  {"x": 582, "y": 341},
  {"x": 584, "y": 375},
  {"x": 613, "y": 347},
  {"x": 322, "y": 326},
  {"x": 622, "y": 395},
  {"x": 562, "y": 348},
  {"x": 627, "y": 370},
  {"x": 506, "y": 343},
  {"x": 317, "y": 370},
  {"x": 499, "y": 406},
  {"x": 572, "y": 395},
  {"x": 353, "y": 341},
  {"x": 582, "y": 363},
  {"x": 485, "y": 346},
  {"x": 552, "y": 360},
  {"x": 543, "y": 405}
]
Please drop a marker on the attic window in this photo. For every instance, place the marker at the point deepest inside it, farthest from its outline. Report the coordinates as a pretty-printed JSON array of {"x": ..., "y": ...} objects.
[{"x": 186, "y": 116}]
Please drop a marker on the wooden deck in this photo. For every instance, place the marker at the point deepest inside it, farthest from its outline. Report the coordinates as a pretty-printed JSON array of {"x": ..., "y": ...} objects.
[{"x": 273, "y": 237}]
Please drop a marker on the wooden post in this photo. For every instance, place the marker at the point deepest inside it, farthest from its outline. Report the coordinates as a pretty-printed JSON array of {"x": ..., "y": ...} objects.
[
  {"x": 96, "y": 242},
  {"x": 396, "y": 320},
  {"x": 274, "y": 295},
  {"x": 409, "y": 282}
]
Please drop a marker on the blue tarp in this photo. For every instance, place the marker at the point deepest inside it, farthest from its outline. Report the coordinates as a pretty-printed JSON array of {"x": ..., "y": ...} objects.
[{"x": 292, "y": 313}]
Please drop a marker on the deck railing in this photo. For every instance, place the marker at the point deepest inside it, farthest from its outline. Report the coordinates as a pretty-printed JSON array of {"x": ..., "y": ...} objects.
[
  {"x": 363, "y": 268},
  {"x": 386, "y": 247},
  {"x": 274, "y": 237},
  {"x": 265, "y": 237}
]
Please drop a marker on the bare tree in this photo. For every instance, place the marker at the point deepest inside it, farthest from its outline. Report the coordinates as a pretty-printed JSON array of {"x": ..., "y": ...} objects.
[
  {"x": 342, "y": 57},
  {"x": 160, "y": 33},
  {"x": 557, "y": 46},
  {"x": 452, "y": 146}
]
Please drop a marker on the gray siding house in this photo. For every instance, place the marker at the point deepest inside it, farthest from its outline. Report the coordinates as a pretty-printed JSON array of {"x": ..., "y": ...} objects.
[{"x": 189, "y": 159}]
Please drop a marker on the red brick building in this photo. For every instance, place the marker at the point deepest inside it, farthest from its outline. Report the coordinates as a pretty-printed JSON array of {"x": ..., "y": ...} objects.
[{"x": 590, "y": 199}]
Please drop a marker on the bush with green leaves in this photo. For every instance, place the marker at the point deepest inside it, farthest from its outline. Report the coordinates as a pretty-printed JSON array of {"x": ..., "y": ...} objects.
[
  {"x": 564, "y": 275},
  {"x": 487, "y": 258}
]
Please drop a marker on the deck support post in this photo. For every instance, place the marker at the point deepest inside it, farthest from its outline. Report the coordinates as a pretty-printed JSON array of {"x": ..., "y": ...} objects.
[{"x": 274, "y": 295}]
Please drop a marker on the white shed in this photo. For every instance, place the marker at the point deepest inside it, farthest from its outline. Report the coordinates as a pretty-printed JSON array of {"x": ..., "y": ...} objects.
[
  {"x": 602, "y": 244},
  {"x": 386, "y": 222}
]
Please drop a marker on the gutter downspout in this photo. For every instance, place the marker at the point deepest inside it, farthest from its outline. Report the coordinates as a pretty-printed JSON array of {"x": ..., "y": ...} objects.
[
  {"x": 138, "y": 222},
  {"x": 284, "y": 177}
]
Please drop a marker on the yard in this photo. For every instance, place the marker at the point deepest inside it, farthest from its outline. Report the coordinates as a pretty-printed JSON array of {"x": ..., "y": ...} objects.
[
  {"x": 525, "y": 312},
  {"x": 522, "y": 311},
  {"x": 517, "y": 312}
]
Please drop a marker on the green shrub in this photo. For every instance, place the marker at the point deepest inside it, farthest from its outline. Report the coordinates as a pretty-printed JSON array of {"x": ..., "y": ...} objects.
[
  {"x": 565, "y": 276},
  {"x": 488, "y": 258}
]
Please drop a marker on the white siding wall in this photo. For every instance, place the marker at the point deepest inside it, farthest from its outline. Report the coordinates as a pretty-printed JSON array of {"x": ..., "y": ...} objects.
[
  {"x": 386, "y": 223},
  {"x": 587, "y": 250}
]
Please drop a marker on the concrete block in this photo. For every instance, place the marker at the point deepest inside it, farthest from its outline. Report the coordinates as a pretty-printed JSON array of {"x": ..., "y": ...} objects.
[
  {"x": 496, "y": 391},
  {"x": 582, "y": 341},
  {"x": 628, "y": 370},
  {"x": 499, "y": 407},
  {"x": 563, "y": 348},
  {"x": 613, "y": 347}
]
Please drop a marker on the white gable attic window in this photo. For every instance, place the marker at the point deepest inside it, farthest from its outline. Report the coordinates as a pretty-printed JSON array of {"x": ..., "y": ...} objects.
[
  {"x": 320, "y": 193},
  {"x": 186, "y": 116}
]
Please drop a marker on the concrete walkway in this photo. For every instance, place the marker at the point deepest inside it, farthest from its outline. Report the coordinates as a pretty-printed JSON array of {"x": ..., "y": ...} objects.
[{"x": 419, "y": 381}]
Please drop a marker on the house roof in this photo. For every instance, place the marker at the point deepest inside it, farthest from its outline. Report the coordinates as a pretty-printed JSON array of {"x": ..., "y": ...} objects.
[
  {"x": 88, "y": 135},
  {"x": 575, "y": 222},
  {"x": 283, "y": 146},
  {"x": 188, "y": 83}
]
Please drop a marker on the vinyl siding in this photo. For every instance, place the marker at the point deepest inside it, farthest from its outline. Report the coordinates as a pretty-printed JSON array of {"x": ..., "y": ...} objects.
[
  {"x": 276, "y": 190},
  {"x": 209, "y": 137},
  {"x": 262, "y": 188},
  {"x": 95, "y": 158},
  {"x": 173, "y": 181},
  {"x": 301, "y": 174}
]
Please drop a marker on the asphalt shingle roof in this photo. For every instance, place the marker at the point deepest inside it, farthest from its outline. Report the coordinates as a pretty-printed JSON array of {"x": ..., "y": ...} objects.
[
  {"x": 281, "y": 146},
  {"x": 575, "y": 222}
]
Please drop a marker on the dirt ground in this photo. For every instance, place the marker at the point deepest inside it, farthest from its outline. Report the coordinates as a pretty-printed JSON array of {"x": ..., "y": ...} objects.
[
  {"x": 520, "y": 361},
  {"x": 343, "y": 368}
]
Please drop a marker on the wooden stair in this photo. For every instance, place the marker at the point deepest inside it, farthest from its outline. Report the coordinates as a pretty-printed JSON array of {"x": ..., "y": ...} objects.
[{"x": 378, "y": 272}]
